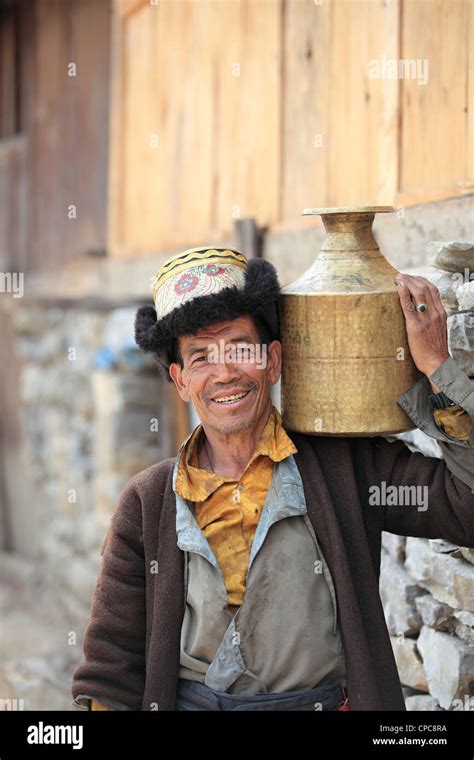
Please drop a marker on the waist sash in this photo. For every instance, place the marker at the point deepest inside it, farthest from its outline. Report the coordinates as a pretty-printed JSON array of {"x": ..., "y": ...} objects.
[{"x": 193, "y": 695}]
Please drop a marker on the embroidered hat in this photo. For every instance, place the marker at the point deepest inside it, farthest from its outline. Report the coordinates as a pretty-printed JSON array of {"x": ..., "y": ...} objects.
[{"x": 200, "y": 287}]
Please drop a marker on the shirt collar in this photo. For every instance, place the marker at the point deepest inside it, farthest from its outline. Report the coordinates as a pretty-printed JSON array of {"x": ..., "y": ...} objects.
[{"x": 197, "y": 484}]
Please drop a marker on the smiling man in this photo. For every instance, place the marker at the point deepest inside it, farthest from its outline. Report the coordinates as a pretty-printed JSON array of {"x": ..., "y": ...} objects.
[{"x": 243, "y": 573}]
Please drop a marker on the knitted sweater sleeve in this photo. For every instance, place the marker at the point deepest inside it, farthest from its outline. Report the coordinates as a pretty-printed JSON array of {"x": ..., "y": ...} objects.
[
  {"x": 419, "y": 495},
  {"x": 113, "y": 667},
  {"x": 425, "y": 496}
]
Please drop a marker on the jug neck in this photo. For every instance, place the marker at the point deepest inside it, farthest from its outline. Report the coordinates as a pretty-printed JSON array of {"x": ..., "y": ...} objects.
[{"x": 349, "y": 232}]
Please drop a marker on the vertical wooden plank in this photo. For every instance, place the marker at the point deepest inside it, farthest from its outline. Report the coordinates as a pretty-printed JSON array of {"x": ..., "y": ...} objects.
[
  {"x": 186, "y": 114},
  {"x": 470, "y": 99},
  {"x": 217, "y": 133},
  {"x": 13, "y": 209},
  {"x": 68, "y": 128},
  {"x": 433, "y": 154},
  {"x": 162, "y": 151},
  {"x": 248, "y": 88},
  {"x": 86, "y": 140},
  {"x": 45, "y": 131},
  {"x": 115, "y": 134},
  {"x": 383, "y": 106},
  {"x": 363, "y": 116},
  {"x": 306, "y": 95},
  {"x": 8, "y": 74},
  {"x": 139, "y": 170}
]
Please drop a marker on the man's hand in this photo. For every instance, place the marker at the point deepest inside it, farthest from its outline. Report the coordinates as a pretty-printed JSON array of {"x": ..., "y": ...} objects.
[{"x": 426, "y": 331}]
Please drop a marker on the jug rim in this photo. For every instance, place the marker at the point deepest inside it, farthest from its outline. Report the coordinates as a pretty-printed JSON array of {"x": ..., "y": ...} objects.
[{"x": 349, "y": 210}]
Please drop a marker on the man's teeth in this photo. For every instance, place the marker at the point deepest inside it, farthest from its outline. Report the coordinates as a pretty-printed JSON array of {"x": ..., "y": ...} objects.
[{"x": 223, "y": 399}]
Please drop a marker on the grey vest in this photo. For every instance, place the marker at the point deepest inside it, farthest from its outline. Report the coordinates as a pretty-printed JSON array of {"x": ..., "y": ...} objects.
[{"x": 285, "y": 634}]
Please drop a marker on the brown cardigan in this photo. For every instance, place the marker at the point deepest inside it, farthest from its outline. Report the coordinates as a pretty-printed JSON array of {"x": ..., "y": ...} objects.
[{"x": 131, "y": 643}]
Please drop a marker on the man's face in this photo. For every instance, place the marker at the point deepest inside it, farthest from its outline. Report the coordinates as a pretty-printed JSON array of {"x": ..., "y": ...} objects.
[{"x": 222, "y": 360}]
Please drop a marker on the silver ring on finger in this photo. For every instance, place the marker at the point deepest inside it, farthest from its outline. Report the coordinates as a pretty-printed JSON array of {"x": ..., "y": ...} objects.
[{"x": 422, "y": 307}]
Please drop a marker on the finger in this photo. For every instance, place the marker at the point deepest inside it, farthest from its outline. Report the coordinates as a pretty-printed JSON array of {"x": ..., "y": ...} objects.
[
  {"x": 438, "y": 304},
  {"x": 406, "y": 301},
  {"x": 429, "y": 291},
  {"x": 419, "y": 291}
]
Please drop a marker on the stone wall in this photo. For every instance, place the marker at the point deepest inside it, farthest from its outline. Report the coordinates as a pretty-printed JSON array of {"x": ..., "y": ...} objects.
[
  {"x": 427, "y": 586},
  {"x": 94, "y": 412}
]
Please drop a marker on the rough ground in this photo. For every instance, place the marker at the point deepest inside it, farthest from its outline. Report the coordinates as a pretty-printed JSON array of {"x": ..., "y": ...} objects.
[{"x": 36, "y": 660}]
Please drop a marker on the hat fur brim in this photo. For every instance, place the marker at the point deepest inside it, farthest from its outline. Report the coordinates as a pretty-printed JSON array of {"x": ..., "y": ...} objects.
[{"x": 260, "y": 296}]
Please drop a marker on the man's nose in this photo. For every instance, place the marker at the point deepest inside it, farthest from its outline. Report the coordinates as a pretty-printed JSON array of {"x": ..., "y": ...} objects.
[{"x": 225, "y": 370}]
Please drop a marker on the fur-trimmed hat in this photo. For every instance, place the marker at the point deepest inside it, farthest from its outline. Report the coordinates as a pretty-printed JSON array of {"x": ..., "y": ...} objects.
[{"x": 200, "y": 287}]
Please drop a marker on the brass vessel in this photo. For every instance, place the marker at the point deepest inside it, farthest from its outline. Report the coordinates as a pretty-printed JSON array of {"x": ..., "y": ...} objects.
[{"x": 345, "y": 350}]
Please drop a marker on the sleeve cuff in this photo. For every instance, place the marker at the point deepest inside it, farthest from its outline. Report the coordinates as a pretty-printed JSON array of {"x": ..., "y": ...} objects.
[{"x": 455, "y": 383}]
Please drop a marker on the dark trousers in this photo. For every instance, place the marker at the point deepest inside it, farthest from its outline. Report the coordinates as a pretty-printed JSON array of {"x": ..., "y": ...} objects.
[{"x": 192, "y": 695}]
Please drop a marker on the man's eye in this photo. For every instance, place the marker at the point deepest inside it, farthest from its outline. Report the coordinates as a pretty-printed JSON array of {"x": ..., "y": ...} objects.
[{"x": 198, "y": 359}]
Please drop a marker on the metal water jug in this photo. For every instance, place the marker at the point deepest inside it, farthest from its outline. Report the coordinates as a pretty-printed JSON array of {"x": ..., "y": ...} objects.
[{"x": 344, "y": 343}]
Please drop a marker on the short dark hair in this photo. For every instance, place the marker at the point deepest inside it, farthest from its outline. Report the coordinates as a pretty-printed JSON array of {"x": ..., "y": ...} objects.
[{"x": 173, "y": 353}]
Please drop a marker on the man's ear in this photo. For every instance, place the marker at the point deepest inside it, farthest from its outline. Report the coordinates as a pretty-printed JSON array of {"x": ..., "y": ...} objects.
[
  {"x": 177, "y": 377},
  {"x": 274, "y": 360}
]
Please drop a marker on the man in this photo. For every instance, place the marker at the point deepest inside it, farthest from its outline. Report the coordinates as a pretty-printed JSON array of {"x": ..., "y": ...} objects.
[{"x": 243, "y": 573}]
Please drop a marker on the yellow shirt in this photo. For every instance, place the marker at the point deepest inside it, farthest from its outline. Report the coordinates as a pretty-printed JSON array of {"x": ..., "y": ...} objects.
[{"x": 226, "y": 509}]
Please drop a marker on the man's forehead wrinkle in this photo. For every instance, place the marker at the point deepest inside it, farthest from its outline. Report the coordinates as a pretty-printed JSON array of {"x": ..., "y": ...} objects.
[{"x": 194, "y": 348}]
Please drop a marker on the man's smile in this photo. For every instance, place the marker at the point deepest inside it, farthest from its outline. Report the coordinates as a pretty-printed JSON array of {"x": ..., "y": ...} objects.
[{"x": 232, "y": 399}]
